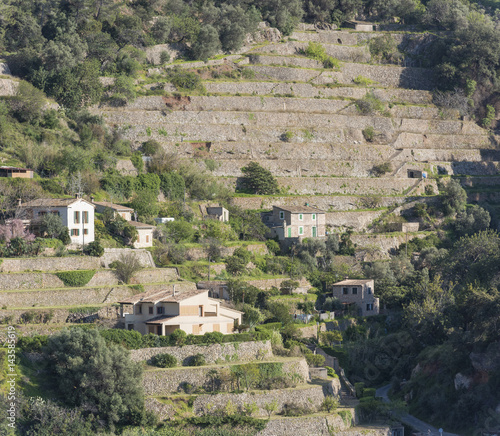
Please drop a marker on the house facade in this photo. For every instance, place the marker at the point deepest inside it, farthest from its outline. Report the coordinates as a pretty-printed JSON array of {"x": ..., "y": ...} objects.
[
  {"x": 296, "y": 222},
  {"x": 164, "y": 312},
  {"x": 144, "y": 234},
  {"x": 359, "y": 293},
  {"x": 76, "y": 213},
  {"x": 123, "y": 211},
  {"x": 218, "y": 212}
]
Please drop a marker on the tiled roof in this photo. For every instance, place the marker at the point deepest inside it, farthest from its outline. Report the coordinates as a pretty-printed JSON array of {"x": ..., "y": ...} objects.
[
  {"x": 114, "y": 206},
  {"x": 353, "y": 282},
  {"x": 300, "y": 209},
  {"x": 162, "y": 296},
  {"x": 53, "y": 202},
  {"x": 140, "y": 225}
]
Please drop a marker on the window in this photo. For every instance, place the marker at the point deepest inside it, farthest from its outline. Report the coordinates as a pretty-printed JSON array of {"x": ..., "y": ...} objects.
[
  {"x": 200, "y": 310},
  {"x": 159, "y": 310},
  {"x": 147, "y": 238},
  {"x": 42, "y": 213},
  {"x": 345, "y": 291},
  {"x": 301, "y": 230},
  {"x": 55, "y": 212},
  {"x": 85, "y": 231},
  {"x": 282, "y": 215},
  {"x": 369, "y": 291},
  {"x": 301, "y": 217},
  {"x": 289, "y": 232},
  {"x": 77, "y": 217},
  {"x": 138, "y": 310},
  {"x": 354, "y": 291},
  {"x": 151, "y": 310},
  {"x": 75, "y": 232},
  {"x": 85, "y": 217},
  {"x": 369, "y": 306},
  {"x": 314, "y": 216},
  {"x": 138, "y": 238},
  {"x": 130, "y": 326}
]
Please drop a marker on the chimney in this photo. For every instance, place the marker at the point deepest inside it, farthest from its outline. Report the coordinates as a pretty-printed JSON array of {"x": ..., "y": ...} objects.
[
  {"x": 346, "y": 278},
  {"x": 92, "y": 198},
  {"x": 174, "y": 291}
]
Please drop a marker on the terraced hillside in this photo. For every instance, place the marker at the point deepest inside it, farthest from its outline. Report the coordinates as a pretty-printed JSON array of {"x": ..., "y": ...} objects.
[{"x": 324, "y": 133}]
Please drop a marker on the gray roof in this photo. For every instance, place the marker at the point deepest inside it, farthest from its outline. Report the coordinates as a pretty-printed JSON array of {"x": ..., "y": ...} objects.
[
  {"x": 162, "y": 296},
  {"x": 354, "y": 282},
  {"x": 140, "y": 225},
  {"x": 300, "y": 209},
  {"x": 53, "y": 202},
  {"x": 114, "y": 206}
]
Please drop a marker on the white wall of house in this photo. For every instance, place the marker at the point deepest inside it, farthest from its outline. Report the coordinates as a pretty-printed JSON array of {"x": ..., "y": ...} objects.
[{"x": 144, "y": 238}]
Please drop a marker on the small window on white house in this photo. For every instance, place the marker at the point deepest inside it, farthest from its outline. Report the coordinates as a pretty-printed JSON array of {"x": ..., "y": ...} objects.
[
  {"x": 159, "y": 310},
  {"x": 314, "y": 216},
  {"x": 345, "y": 291},
  {"x": 369, "y": 306},
  {"x": 301, "y": 230},
  {"x": 369, "y": 291},
  {"x": 150, "y": 310},
  {"x": 301, "y": 217},
  {"x": 354, "y": 291},
  {"x": 282, "y": 215}
]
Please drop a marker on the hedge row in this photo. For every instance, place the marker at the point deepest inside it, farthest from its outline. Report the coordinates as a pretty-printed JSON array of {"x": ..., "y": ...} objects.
[{"x": 77, "y": 278}]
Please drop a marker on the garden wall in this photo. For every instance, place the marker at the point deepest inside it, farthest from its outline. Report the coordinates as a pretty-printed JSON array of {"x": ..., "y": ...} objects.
[
  {"x": 164, "y": 381},
  {"x": 240, "y": 351}
]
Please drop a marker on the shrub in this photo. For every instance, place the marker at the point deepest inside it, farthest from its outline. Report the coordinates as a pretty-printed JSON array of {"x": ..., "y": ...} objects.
[
  {"x": 164, "y": 57},
  {"x": 429, "y": 190},
  {"x": 94, "y": 248},
  {"x": 369, "y": 133},
  {"x": 150, "y": 147},
  {"x": 213, "y": 338},
  {"x": 287, "y": 136},
  {"x": 130, "y": 339},
  {"x": 178, "y": 337},
  {"x": 332, "y": 63},
  {"x": 137, "y": 161},
  {"x": 126, "y": 267},
  {"x": 359, "y": 387},
  {"x": 164, "y": 361},
  {"x": 361, "y": 80},
  {"x": 330, "y": 404},
  {"x": 315, "y": 50},
  {"x": 382, "y": 168},
  {"x": 197, "y": 360},
  {"x": 369, "y": 392},
  {"x": 331, "y": 372},
  {"x": 490, "y": 116},
  {"x": 291, "y": 409},
  {"x": 32, "y": 344},
  {"x": 369, "y": 104},
  {"x": 185, "y": 80},
  {"x": 76, "y": 278},
  {"x": 315, "y": 359}
]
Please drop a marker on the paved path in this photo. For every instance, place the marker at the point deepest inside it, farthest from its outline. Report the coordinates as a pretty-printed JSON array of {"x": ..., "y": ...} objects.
[{"x": 410, "y": 420}]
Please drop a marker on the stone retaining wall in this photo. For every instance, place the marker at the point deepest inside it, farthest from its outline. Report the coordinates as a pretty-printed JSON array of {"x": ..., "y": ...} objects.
[
  {"x": 307, "y": 90},
  {"x": 309, "y": 398},
  {"x": 50, "y": 264},
  {"x": 112, "y": 254},
  {"x": 357, "y": 221},
  {"x": 241, "y": 352},
  {"x": 323, "y": 202},
  {"x": 79, "y": 296},
  {"x": 341, "y": 52},
  {"x": 338, "y": 185},
  {"x": 165, "y": 381},
  {"x": 40, "y": 280},
  {"x": 62, "y": 315}
]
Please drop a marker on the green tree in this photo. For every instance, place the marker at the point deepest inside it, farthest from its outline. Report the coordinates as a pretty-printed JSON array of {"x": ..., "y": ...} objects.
[
  {"x": 207, "y": 44},
  {"x": 454, "y": 197},
  {"x": 27, "y": 104},
  {"x": 91, "y": 375},
  {"x": 126, "y": 266},
  {"x": 258, "y": 180},
  {"x": 473, "y": 220}
]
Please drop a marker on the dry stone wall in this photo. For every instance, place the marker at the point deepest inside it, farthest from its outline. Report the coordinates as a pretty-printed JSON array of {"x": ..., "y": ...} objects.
[
  {"x": 307, "y": 90},
  {"x": 241, "y": 352},
  {"x": 309, "y": 398},
  {"x": 112, "y": 254},
  {"x": 49, "y": 264},
  {"x": 165, "y": 381},
  {"x": 338, "y": 185},
  {"x": 341, "y": 52}
]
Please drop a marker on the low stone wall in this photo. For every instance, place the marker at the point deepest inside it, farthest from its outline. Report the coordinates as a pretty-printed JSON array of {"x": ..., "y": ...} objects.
[
  {"x": 197, "y": 253},
  {"x": 356, "y": 221},
  {"x": 241, "y": 352},
  {"x": 8, "y": 87},
  {"x": 309, "y": 398},
  {"x": 165, "y": 381}
]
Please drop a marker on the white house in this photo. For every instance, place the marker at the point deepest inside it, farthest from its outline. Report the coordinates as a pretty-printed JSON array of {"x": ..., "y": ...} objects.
[
  {"x": 163, "y": 312},
  {"x": 76, "y": 213}
]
